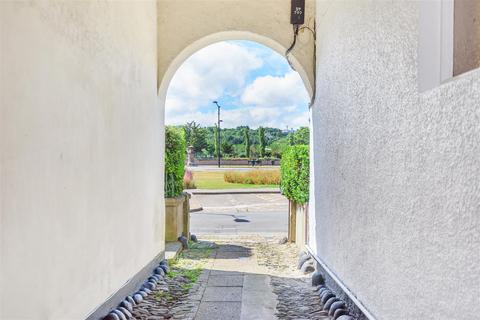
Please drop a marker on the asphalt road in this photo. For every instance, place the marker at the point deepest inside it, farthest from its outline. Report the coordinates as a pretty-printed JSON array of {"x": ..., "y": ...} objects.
[
  {"x": 263, "y": 214},
  {"x": 232, "y": 168}
]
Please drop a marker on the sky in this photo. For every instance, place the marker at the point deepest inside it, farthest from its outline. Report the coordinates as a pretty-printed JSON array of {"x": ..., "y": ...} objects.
[{"x": 254, "y": 85}]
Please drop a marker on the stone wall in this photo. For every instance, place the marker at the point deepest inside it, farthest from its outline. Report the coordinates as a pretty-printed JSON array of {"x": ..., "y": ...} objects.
[
  {"x": 81, "y": 176},
  {"x": 396, "y": 171}
]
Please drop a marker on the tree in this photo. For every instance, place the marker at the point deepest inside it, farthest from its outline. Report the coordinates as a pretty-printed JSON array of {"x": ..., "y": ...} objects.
[
  {"x": 189, "y": 127},
  {"x": 227, "y": 148},
  {"x": 302, "y": 136},
  {"x": 246, "y": 138},
  {"x": 198, "y": 139},
  {"x": 261, "y": 138},
  {"x": 291, "y": 139},
  {"x": 254, "y": 150},
  {"x": 195, "y": 136},
  {"x": 278, "y": 147}
]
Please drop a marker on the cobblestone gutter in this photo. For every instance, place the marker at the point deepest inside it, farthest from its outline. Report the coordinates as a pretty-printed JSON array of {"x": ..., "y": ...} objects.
[
  {"x": 178, "y": 288},
  {"x": 173, "y": 292}
]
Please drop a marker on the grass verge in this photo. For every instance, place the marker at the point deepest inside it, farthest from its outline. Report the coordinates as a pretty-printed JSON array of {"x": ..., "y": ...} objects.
[
  {"x": 188, "y": 265},
  {"x": 215, "y": 180}
]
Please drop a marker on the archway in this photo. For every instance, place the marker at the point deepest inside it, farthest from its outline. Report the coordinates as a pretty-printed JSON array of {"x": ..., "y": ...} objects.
[
  {"x": 224, "y": 36},
  {"x": 273, "y": 46}
]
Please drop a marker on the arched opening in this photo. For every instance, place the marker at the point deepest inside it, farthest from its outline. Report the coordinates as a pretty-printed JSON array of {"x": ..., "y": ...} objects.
[
  {"x": 285, "y": 222},
  {"x": 225, "y": 36},
  {"x": 246, "y": 220}
]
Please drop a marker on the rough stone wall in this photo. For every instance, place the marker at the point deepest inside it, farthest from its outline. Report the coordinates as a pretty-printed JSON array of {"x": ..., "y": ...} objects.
[
  {"x": 81, "y": 206},
  {"x": 397, "y": 172}
]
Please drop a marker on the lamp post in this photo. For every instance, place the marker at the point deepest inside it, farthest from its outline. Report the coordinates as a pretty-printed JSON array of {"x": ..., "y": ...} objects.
[{"x": 219, "y": 145}]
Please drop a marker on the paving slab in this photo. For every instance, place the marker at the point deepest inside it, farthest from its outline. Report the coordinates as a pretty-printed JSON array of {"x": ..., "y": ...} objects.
[
  {"x": 222, "y": 294},
  {"x": 225, "y": 281},
  {"x": 224, "y": 273},
  {"x": 258, "y": 300},
  {"x": 219, "y": 311},
  {"x": 172, "y": 249},
  {"x": 233, "y": 255},
  {"x": 233, "y": 248}
]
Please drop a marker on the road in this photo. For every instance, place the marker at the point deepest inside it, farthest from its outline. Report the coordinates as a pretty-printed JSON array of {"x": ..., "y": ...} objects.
[
  {"x": 264, "y": 214},
  {"x": 232, "y": 168}
]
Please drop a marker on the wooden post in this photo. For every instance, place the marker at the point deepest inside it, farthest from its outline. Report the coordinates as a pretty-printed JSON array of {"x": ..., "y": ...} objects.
[
  {"x": 186, "y": 215},
  {"x": 292, "y": 220}
]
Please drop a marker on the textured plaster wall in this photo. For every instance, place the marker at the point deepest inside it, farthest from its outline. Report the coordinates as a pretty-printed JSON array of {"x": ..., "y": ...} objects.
[
  {"x": 81, "y": 207},
  {"x": 189, "y": 25},
  {"x": 397, "y": 172}
]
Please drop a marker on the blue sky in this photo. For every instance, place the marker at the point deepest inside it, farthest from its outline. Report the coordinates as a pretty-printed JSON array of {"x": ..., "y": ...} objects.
[{"x": 254, "y": 85}]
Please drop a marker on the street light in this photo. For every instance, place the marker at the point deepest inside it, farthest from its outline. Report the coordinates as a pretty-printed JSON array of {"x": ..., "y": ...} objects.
[{"x": 218, "y": 132}]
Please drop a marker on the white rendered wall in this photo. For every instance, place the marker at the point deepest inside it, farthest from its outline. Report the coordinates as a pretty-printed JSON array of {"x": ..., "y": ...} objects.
[
  {"x": 81, "y": 154},
  {"x": 189, "y": 25},
  {"x": 397, "y": 172}
]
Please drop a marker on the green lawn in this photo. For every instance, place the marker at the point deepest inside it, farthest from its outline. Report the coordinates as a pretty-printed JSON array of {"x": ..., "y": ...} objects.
[{"x": 214, "y": 180}]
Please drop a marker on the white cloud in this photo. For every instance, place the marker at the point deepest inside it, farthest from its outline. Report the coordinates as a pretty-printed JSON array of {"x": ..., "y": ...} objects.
[
  {"x": 276, "y": 92},
  {"x": 217, "y": 70}
]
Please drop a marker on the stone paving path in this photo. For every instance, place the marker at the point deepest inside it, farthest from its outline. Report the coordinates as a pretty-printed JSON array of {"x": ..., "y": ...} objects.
[
  {"x": 245, "y": 278},
  {"x": 237, "y": 287}
]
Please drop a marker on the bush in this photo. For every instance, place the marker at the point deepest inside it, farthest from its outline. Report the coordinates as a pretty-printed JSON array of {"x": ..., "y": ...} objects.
[
  {"x": 175, "y": 156},
  {"x": 295, "y": 173},
  {"x": 259, "y": 177}
]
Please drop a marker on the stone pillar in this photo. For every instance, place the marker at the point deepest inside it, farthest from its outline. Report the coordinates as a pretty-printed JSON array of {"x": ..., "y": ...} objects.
[
  {"x": 190, "y": 156},
  {"x": 174, "y": 217}
]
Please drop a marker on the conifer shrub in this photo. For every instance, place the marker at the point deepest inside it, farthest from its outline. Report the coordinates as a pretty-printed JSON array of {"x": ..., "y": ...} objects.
[
  {"x": 175, "y": 156},
  {"x": 295, "y": 173}
]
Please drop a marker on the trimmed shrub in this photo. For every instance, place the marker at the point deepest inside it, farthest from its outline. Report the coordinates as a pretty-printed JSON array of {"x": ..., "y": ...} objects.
[
  {"x": 295, "y": 174},
  {"x": 175, "y": 156},
  {"x": 259, "y": 177}
]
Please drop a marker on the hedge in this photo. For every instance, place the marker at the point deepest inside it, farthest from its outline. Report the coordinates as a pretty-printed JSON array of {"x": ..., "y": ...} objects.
[
  {"x": 258, "y": 177},
  {"x": 175, "y": 156},
  {"x": 294, "y": 173}
]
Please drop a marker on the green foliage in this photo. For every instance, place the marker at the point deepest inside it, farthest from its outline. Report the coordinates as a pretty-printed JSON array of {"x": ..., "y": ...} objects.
[
  {"x": 239, "y": 151},
  {"x": 246, "y": 138},
  {"x": 246, "y": 142},
  {"x": 294, "y": 173},
  {"x": 175, "y": 155},
  {"x": 196, "y": 136},
  {"x": 278, "y": 147},
  {"x": 301, "y": 136},
  {"x": 291, "y": 139},
  {"x": 227, "y": 148},
  {"x": 254, "y": 150},
  {"x": 261, "y": 139},
  {"x": 189, "y": 127}
]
